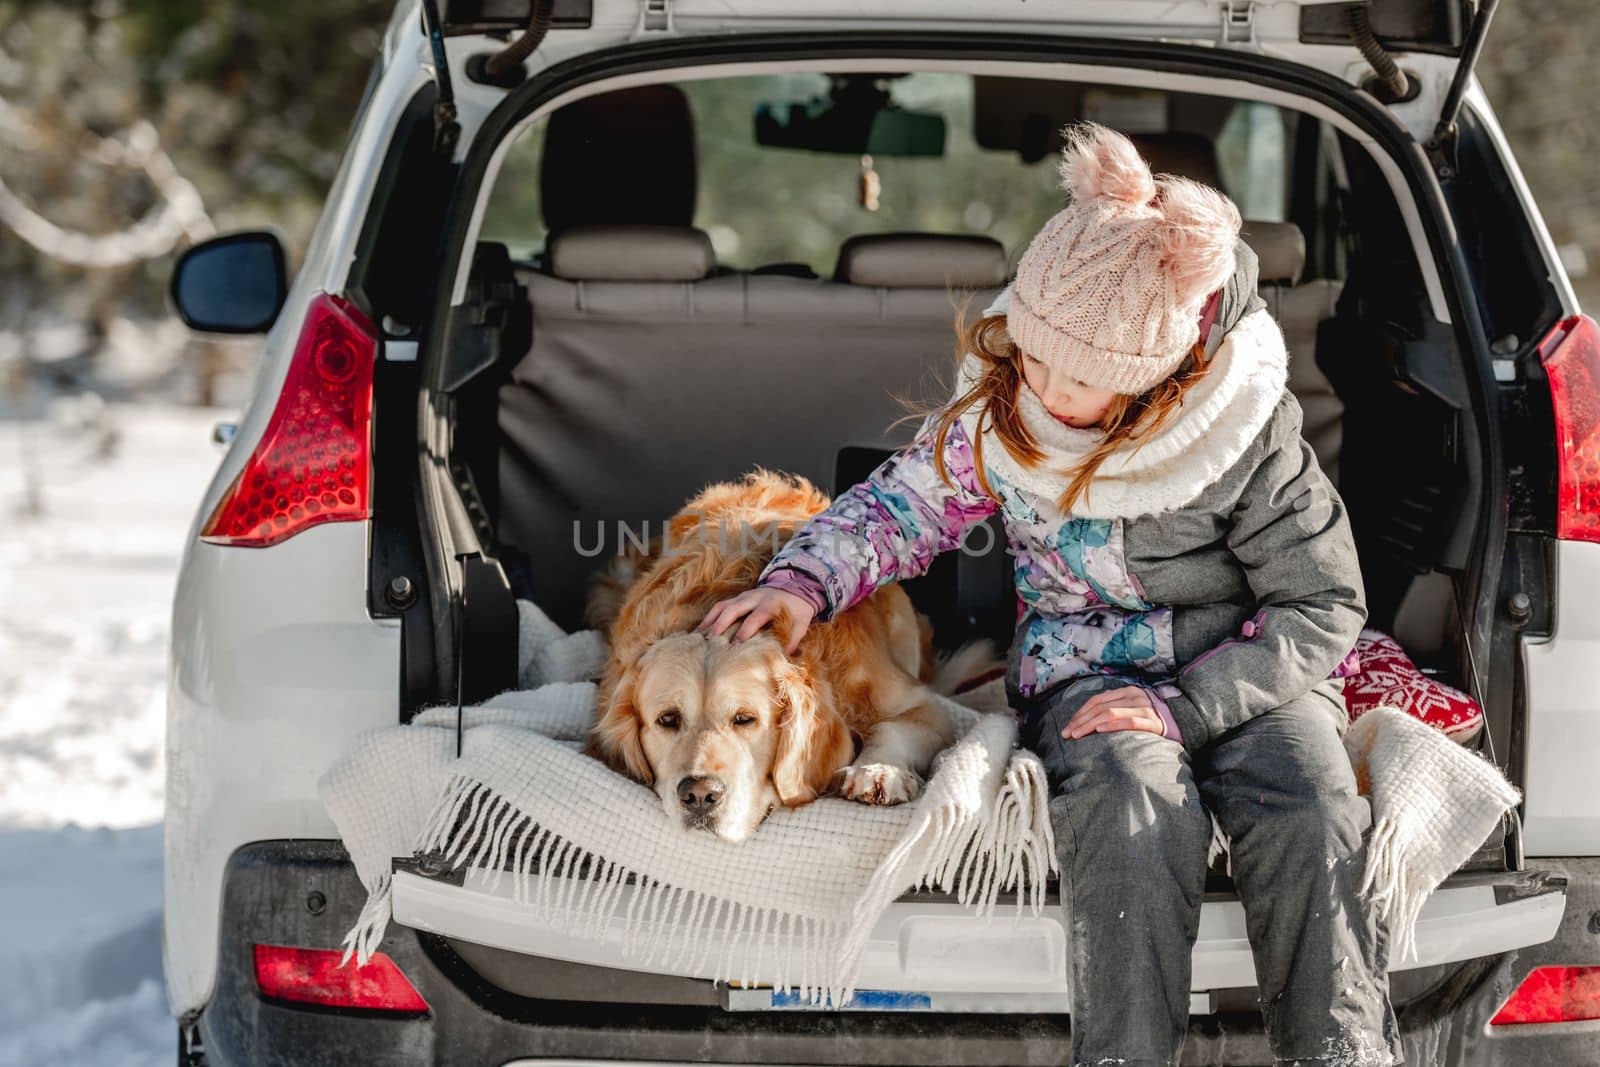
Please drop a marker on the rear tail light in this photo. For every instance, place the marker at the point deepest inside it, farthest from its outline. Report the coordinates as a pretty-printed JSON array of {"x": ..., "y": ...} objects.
[
  {"x": 313, "y": 463},
  {"x": 1571, "y": 358},
  {"x": 314, "y": 976},
  {"x": 1553, "y": 995}
]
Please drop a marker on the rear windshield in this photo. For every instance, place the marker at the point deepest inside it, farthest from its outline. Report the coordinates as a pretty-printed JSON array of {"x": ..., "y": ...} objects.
[{"x": 960, "y": 154}]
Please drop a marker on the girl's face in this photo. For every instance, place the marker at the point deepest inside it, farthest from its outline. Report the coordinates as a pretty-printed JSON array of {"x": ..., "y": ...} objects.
[{"x": 1066, "y": 398}]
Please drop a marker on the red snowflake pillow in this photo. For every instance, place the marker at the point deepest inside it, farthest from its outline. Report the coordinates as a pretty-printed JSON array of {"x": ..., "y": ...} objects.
[{"x": 1387, "y": 676}]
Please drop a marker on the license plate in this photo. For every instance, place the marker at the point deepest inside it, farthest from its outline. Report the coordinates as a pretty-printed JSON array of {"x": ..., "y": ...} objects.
[
  {"x": 767, "y": 999},
  {"x": 791, "y": 1000}
]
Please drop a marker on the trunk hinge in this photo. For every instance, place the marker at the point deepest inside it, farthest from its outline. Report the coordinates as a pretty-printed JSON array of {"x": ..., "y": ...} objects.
[
  {"x": 655, "y": 17},
  {"x": 504, "y": 68},
  {"x": 1441, "y": 147},
  {"x": 1238, "y": 22}
]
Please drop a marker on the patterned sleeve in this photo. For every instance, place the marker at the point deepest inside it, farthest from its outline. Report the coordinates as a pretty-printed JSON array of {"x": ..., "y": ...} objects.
[
  {"x": 889, "y": 526},
  {"x": 801, "y": 585}
]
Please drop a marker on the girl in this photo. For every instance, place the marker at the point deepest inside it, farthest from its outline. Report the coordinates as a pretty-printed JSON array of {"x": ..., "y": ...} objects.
[{"x": 1189, "y": 602}]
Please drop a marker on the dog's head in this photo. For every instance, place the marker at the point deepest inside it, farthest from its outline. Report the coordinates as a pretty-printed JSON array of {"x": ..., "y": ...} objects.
[{"x": 723, "y": 732}]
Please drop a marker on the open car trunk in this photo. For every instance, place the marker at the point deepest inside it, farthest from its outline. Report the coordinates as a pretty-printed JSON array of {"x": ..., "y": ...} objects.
[{"x": 613, "y": 385}]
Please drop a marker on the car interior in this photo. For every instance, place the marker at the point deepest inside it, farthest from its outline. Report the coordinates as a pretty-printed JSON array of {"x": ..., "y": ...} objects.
[{"x": 632, "y": 364}]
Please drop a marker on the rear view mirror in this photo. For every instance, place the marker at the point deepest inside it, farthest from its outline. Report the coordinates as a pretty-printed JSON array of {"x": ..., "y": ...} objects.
[
  {"x": 897, "y": 132},
  {"x": 856, "y": 117},
  {"x": 231, "y": 284}
]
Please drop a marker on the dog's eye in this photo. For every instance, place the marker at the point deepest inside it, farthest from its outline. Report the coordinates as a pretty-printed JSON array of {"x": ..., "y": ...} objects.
[
  {"x": 744, "y": 718},
  {"x": 667, "y": 720}
]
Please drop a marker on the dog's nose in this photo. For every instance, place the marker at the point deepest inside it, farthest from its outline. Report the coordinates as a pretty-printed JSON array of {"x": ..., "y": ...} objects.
[{"x": 699, "y": 793}]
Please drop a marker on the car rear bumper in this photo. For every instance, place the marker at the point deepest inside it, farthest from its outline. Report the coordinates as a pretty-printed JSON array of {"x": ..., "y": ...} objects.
[
  {"x": 580, "y": 1013},
  {"x": 1011, "y": 964}
]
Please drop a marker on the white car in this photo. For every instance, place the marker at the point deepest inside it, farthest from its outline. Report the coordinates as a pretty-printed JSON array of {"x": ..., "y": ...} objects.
[{"x": 531, "y": 288}]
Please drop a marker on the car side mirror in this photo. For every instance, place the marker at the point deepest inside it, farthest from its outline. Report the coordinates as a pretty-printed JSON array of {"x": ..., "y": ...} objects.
[{"x": 231, "y": 284}]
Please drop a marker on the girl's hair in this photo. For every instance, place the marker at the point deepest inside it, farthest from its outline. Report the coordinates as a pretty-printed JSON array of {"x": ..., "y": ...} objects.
[{"x": 1129, "y": 419}]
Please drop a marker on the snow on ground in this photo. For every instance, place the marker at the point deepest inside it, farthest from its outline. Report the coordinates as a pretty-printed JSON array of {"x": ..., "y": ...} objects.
[
  {"x": 80, "y": 917},
  {"x": 95, "y": 503},
  {"x": 85, "y": 599}
]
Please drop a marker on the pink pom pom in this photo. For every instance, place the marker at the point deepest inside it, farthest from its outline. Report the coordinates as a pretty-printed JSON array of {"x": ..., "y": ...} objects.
[
  {"x": 1098, "y": 161},
  {"x": 1197, "y": 237}
]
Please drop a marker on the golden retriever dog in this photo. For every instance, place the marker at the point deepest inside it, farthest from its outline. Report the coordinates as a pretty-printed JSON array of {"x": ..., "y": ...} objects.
[{"x": 726, "y": 732}]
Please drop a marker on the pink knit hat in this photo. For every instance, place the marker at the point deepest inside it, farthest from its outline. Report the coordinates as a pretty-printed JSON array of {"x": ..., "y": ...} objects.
[{"x": 1110, "y": 290}]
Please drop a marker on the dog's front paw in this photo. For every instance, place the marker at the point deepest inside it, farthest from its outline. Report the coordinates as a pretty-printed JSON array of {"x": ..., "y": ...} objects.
[{"x": 879, "y": 783}]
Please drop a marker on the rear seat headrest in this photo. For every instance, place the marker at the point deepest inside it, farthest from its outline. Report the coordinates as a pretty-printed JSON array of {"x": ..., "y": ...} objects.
[
  {"x": 922, "y": 261},
  {"x": 1188, "y": 155},
  {"x": 590, "y": 168},
  {"x": 1281, "y": 248},
  {"x": 630, "y": 253}
]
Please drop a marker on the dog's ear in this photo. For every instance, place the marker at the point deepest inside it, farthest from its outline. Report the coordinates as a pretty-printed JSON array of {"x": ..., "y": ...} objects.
[
  {"x": 614, "y": 738},
  {"x": 813, "y": 740}
]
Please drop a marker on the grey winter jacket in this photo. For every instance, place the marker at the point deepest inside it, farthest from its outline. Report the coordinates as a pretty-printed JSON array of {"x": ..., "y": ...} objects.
[{"x": 1263, "y": 582}]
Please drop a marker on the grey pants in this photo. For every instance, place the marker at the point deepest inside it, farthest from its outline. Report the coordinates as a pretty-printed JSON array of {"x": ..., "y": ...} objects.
[{"x": 1129, "y": 810}]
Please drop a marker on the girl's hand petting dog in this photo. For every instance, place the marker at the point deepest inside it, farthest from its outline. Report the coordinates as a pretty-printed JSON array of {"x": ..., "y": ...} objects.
[
  {"x": 1128, "y": 708},
  {"x": 761, "y": 604}
]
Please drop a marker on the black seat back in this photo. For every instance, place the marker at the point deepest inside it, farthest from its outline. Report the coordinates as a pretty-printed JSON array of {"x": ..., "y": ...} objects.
[{"x": 636, "y": 394}]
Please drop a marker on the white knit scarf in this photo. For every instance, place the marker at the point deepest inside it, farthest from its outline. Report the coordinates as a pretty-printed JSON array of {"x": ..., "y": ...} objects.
[
  {"x": 1221, "y": 415},
  {"x": 809, "y": 886}
]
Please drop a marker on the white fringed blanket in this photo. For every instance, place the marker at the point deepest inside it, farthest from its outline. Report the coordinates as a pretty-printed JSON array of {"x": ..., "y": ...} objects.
[
  {"x": 813, "y": 880},
  {"x": 1433, "y": 804}
]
